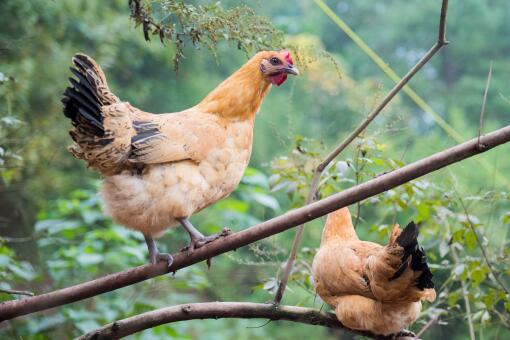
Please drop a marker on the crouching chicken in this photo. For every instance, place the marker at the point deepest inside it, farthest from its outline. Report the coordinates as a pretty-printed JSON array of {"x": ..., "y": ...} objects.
[
  {"x": 159, "y": 169},
  {"x": 372, "y": 287}
]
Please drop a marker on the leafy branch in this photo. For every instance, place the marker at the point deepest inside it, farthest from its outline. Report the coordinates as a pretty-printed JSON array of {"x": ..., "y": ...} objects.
[
  {"x": 204, "y": 25},
  {"x": 482, "y": 247}
]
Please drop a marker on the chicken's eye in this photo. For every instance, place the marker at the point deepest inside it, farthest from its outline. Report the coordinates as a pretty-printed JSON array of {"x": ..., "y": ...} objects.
[{"x": 275, "y": 61}]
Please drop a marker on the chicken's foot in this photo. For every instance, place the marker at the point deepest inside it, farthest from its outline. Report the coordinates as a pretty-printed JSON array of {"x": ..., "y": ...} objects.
[
  {"x": 404, "y": 335},
  {"x": 197, "y": 238},
  {"x": 155, "y": 255}
]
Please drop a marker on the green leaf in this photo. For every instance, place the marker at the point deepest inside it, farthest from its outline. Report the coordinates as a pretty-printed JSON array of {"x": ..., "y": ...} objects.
[
  {"x": 45, "y": 323},
  {"x": 459, "y": 269},
  {"x": 506, "y": 218},
  {"x": 444, "y": 248},
  {"x": 478, "y": 276},
  {"x": 423, "y": 212},
  {"x": 453, "y": 297},
  {"x": 271, "y": 285},
  {"x": 470, "y": 239},
  {"x": 55, "y": 226},
  {"x": 24, "y": 270},
  {"x": 233, "y": 205},
  {"x": 87, "y": 325},
  {"x": 255, "y": 178},
  {"x": 266, "y": 200},
  {"x": 86, "y": 259}
]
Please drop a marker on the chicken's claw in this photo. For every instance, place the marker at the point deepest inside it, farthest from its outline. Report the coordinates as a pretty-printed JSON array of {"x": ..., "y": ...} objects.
[
  {"x": 404, "y": 335},
  {"x": 165, "y": 257},
  {"x": 155, "y": 255},
  {"x": 199, "y": 242}
]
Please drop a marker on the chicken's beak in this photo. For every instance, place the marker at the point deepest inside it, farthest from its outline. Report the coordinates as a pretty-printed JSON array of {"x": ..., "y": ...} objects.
[{"x": 291, "y": 69}]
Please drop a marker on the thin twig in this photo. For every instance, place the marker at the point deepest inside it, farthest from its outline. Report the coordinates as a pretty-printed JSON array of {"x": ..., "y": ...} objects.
[
  {"x": 290, "y": 219},
  {"x": 333, "y": 154},
  {"x": 16, "y": 292},
  {"x": 429, "y": 324},
  {"x": 482, "y": 248},
  {"x": 482, "y": 110},
  {"x": 18, "y": 239},
  {"x": 216, "y": 310},
  {"x": 465, "y": 297}
]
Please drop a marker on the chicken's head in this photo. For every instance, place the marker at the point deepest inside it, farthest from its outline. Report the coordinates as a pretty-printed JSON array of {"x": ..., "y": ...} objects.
[{"x": 275, "y": 66}]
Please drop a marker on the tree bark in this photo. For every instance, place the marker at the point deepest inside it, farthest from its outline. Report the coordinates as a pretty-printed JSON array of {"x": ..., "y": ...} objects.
[{"x": 216, "y": 310}]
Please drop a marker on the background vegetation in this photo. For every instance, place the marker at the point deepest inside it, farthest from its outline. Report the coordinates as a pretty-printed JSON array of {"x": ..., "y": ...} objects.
[{"x": 54, "y": 233}]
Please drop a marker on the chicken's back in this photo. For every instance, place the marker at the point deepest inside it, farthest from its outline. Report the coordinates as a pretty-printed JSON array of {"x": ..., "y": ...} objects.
[{"x": 338, "y": 268}]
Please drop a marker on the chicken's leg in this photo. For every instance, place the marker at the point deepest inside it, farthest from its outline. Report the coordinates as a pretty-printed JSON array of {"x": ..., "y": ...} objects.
[
  {"x": 197, "y": 238},
  {"x": 155, "y": 255}
]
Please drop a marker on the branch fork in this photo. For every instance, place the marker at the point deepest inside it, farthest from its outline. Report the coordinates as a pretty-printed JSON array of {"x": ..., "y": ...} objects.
[{"x": 314, "y": 187}]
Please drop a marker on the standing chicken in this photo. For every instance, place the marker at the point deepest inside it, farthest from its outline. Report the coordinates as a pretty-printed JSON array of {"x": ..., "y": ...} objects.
[
  {"x": 159, "y": 169},
  {"x": 372, "y": 287}
]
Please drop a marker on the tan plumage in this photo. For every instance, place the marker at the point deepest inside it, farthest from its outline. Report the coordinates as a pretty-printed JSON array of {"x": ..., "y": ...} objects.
[
  {"x": 372, "y": 287},
  {"x": 160, "y": 169}
]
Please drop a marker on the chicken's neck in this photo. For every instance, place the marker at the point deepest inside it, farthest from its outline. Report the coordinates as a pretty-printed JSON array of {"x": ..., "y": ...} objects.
[
  {"x": 339, "y": 226},
  {"x": 239, "y": 96}
]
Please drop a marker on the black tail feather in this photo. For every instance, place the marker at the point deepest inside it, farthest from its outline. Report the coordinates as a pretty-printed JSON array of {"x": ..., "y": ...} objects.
[
  {"x": 81, "y": 103},
  {"x": 91, "y": 96},
  {"x": 419, "y": 263},
  {"x": 81, "y": 62},
  {"x": 408, "y": 239}
]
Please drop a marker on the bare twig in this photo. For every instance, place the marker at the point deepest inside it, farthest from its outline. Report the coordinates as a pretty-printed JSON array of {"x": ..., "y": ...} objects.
[
  {"x": 215, "y": 310},
  {"x": 18, "y": 239},
  {"x": 482, "y": 110},
  {"x": 11, "y": 309},
  {"x": 429, "y": 324},
  {"x": 333, "y": 154},
  {"x": 16, "y": 292}
]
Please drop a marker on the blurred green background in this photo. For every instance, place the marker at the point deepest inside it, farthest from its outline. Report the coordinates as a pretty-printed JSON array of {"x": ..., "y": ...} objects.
[{"x": 53, "y": 232}]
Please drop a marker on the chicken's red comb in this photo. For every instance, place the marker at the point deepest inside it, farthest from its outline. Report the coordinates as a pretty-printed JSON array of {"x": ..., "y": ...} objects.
[{"x": 286, "y": 55}]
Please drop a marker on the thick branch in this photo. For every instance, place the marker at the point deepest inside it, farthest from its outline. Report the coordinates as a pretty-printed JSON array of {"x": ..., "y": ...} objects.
[
  {"x": 11, "y": 309},
  {"x": 341, "y": 147},
  {"x": 216, "y": 310}
]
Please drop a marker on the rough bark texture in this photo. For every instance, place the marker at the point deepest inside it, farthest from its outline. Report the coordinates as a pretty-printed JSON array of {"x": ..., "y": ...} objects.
[{"x": 216, "y": 310}]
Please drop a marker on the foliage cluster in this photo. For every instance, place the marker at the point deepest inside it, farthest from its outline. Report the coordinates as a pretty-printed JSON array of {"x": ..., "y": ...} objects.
[{"x": 204, "y": 25}]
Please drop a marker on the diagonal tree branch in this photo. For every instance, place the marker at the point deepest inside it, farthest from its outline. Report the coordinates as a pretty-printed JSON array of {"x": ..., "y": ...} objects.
[
  {"x": 314, "y": 187},
  {"x": 215, "y": 310},
  {"x": 12, "y": 309}
]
